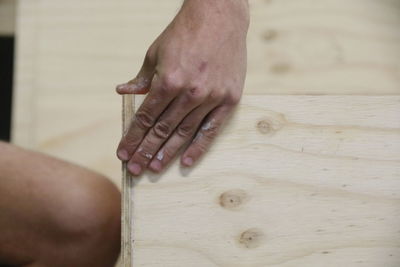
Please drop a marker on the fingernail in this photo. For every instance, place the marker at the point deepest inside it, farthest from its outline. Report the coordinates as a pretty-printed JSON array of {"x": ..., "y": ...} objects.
[
  {"x": 135, "y": 168},
  {"x": 188, "y": 161},
  {"x": 123, "y": 154},
  {"x": 155, "y": 166}
]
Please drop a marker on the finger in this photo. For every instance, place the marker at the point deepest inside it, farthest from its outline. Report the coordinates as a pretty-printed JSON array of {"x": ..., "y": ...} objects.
[
  {"x": 206, "y": 134},
  {"x": 163, "y": 128},
  {"x": 182, "y": 135},
  {"x": 142, "y": 82},
  {"x": 139, "y": 85},
  {"x": 145, "y": 117}
]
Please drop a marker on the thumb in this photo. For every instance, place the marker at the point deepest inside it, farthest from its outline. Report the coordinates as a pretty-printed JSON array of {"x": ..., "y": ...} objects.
[
  {"x": 142, "y": 83},
  {"x": 139, "y": 85}
]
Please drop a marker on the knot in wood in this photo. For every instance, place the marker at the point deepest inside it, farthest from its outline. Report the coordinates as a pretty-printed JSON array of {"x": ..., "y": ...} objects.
[
  {"x": 251, "y": 238},
  {"x": 233, "y": 199},
  {"x": 271, "y": 123},
  {"x": 264, "y": 127}
]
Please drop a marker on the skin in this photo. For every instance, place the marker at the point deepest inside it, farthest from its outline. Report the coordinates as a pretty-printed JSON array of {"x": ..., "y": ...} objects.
[
  {"x": 193, "y": 75},
  {"x": 53, "y": 213}
]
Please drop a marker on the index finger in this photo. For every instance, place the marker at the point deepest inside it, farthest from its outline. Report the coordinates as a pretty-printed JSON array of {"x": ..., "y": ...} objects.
[{"x": 145, "y": 117}]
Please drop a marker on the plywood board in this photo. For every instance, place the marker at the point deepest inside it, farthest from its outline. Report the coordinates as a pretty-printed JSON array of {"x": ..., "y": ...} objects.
[
  {"x": 293, "y": 181},
  {"x": 71, "y": 54}
]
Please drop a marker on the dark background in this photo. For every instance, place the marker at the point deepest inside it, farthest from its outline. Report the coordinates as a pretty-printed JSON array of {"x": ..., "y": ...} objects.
[{"x": 6, "y": 80}]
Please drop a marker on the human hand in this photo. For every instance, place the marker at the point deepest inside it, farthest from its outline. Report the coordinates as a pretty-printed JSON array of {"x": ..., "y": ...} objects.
[{"x": 193, "y": 75}]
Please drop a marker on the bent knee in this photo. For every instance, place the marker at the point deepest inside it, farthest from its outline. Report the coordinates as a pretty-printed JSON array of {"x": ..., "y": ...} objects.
[
  {"x": 60, "y": 209},
  {"x": 88, "y": 205},
  {"x": 87, "y": 217}
]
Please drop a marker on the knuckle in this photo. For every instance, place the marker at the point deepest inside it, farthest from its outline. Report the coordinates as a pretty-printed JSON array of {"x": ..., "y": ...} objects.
[
  {"x": 130, "y": 141},
  {"x": 185, "y": 131},
  {"x": 233, "y": 98},
  {"x": 202, "y": 143},
  {"x": 167, "y": 154},
  {"x": 143, "y": 119},
  {"x": 171, "y": 83},
  {"x": 129, "y": 144},
  {"x": 144, "y": 154},
  {"x": 202, "y": 147},
  {"x": 210, "y": 133},
  {"x": 209, "y": 130},
  {"x": 150, "y": 54},
  {"x": 217, "y": 96},
  {"x": 196, "y": 94},
  {"x": 162, "y": 130}
]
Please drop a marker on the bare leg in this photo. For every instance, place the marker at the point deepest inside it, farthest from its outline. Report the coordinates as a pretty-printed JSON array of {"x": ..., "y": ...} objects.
[{"x": 53, "y": 213}]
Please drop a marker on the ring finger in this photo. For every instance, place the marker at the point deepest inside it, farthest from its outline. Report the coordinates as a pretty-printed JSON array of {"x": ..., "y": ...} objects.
[
  {"x": 163, "y": 128},
  {"x": 183, "y": 134}
]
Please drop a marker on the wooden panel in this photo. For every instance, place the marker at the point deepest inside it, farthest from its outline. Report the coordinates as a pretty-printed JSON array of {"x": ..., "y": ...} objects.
[
  {"x": 294, "y": 181},
  {"x": 295, "y": 47},
  {"x": 7, "y": 17},
  {"x": 78, "y": 49},
  {"x": 70, "y": 55},
  {"x": 328, "y": 46},
  {"x": 313, "y": 180}
]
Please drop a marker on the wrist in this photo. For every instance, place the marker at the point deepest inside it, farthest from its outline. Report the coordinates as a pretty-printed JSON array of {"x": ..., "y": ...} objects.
[{"x": 233, "y": 12}]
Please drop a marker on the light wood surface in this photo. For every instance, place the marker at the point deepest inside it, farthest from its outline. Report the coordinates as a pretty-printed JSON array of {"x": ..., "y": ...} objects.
[
  {"x": 293, "y": 181},
  {"x": 71, "y": 54},
  {"x": 324, "y": 47},
  {"x": 7, "y": 17},
  {"x": 310, "y": 160}
]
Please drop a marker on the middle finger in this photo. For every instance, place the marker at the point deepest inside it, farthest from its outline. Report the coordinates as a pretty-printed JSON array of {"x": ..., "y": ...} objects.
[{"x": 162, "y": 129}]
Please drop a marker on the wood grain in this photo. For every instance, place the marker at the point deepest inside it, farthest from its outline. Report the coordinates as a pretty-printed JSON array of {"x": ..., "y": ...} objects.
[
  {"x": 293, "y": 181},
  {"x": 70, "y": 56},
  {"x": 324, "y": 47},
  {"x": 304, "y": 180}
]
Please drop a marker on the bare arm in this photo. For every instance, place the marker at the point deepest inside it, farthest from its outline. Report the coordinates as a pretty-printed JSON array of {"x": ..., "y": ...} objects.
[{"x": 193, "y": 75}]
